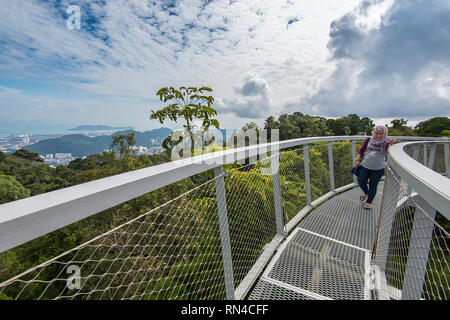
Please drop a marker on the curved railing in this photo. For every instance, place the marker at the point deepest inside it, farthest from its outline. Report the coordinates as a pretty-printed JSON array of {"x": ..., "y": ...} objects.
[
  {"x": 412, "y": 251},
  {"x": 211, "y": 241}
]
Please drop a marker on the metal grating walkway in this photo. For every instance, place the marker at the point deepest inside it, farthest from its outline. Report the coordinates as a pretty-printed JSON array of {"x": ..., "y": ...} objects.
[{"x": 326, "y": 256}]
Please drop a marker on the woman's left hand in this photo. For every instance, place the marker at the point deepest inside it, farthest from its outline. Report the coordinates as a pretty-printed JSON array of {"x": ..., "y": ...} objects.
[{"x": 392, "y": 141}]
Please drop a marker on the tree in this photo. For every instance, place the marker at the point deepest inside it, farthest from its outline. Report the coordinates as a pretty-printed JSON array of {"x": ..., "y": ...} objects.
[
  {"x": 399, "y": 128},
  {"x": 271, "y": 123},
  {"x": 29, "y": 155},
  {"x": 433, "y": 127},
  {"x": 347, "y": 131},
  {"x": 250, "y": 126},
  {"x": 11, "y": 189},
  {"x": 122, "y": 144},
  {"x": 399, "y": 123},
  {"x": 445, "y": 133},
  {"x": 368, "y": 125},
  {"x": 188, "y": 103}
]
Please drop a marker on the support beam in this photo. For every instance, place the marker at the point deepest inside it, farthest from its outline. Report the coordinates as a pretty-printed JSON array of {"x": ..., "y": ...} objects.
[
  {"x": 447, "y": 164},
  {"x": 432, "y": 156},
  {"x": 419, "y": 248},
  {"x": 355, "y": 179},
  {"x": 386, "y": 219},
  {"x": 224, "y": 233},
  {"x": 275, "y": 167},
  {"x": 331, "y": 165},
  {"x": 307, "y": 176},
  {"x": 425, "y": 154}
]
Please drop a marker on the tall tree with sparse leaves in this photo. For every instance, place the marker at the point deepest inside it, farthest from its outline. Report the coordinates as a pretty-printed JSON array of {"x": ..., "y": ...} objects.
[{"x": 188, "y": 103}]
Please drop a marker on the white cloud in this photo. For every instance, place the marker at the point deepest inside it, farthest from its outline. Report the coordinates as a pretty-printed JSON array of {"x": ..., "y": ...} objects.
[
  {"x": 127, "y": 50},
  {"x": 251, "y": 99},
  {"x": 399, "y": 68}
]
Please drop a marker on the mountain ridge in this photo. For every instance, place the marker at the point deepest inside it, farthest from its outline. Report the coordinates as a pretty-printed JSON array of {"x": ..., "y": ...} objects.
[
  {"x": 80, "y": 145},
  {"x": 98, "y": 127}
]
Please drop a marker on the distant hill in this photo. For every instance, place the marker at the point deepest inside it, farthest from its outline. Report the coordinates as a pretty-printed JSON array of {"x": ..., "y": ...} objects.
[
  {"x": 79, "y": 145},
  {"x": 98, "y": 128}
]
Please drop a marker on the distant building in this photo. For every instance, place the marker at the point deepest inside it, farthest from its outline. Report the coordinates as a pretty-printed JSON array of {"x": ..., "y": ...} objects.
[{"x": 62, "y": 155}]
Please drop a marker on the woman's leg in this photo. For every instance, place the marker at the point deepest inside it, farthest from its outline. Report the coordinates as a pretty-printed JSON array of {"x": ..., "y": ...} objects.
[
  {"x": 364, "y": 175},
  {"x": 375, "y": 176}
]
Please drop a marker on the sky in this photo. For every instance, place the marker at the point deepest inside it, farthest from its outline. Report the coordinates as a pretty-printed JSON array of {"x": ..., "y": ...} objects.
[{"x": 383, "y": 59}]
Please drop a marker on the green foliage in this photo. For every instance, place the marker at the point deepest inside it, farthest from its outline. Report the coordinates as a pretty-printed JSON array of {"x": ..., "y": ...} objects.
[
  {"x": 300, "y": 125},
  {"x": 297, "y": 125},
  {"x": 122, "y": 144},
  {"x": 350, "y": 125},
  {"x": 188, "y": 103},
  {"x": 35, "y": 176},
  {"x": 11, "y": 189},
  {"x": 445, "y": 133},
  {"x": 29, "y": 155},
  {"x": 433, "y": 127},
  {"x": 399, "y": 128}
]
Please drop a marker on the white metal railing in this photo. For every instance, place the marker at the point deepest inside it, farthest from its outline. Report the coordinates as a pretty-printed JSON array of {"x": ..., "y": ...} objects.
[
  {"x": 412, "y": 250},
  {"x": 150, "y": 248}
]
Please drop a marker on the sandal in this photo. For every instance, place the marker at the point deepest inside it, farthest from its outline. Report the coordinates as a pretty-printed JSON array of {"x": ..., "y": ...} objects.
[
  {"x": 367, "y": 206},
  {"x": 363, "y": 197}
]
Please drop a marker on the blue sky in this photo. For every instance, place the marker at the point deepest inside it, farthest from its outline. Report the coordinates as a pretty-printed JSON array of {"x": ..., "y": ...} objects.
[{"x": 379, "y": 58}]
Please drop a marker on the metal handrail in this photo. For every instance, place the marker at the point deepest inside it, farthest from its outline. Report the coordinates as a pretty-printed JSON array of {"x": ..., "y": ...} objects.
[{"x": 433, "y": 187}]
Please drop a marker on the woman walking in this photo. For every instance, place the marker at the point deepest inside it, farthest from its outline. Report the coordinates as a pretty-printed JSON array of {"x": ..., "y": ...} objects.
[{"x": 372, "y": 167}]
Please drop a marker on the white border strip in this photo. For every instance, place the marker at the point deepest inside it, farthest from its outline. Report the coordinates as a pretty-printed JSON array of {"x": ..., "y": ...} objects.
[
  {"x": 295, "y": 289},
  {"x": 328, "y": 238},
  {"x": 366, "y": 267},
  {"x": 251, "y": 277}
]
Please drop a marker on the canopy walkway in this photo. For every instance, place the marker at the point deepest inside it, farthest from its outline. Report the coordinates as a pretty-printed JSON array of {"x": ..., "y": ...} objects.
[
  {"x": 327, "y": 255},
  {"x": 285, "y": 224}
]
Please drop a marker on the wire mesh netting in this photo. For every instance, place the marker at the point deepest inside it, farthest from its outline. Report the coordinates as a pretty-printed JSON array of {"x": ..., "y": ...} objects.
[
  {"x": 292, "y": 181},
  {"x": 292, "y": 172},
  {"x": 170, "y": 252},
  {"x": 413, "y": 245},
  {"x": 251, "y": 215}
]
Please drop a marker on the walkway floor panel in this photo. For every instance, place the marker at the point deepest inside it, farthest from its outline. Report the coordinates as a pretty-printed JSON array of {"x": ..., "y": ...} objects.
[{"x": 326, "y": 255}]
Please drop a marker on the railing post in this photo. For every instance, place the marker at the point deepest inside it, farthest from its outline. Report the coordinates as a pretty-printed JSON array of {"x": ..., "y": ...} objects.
[
  {"x": 275, "y": 167},
  {"x": 416, "y": 152},
  {"x": 432, "y": 154},
  {"x": 419, "y": 248},
  {"x": 447, "y": 164},
  {"x": 307, "y": 177},
  {"x": 425, "y": 154},
  {"x": 415, "y": 157},
  {"x": 224, "y": 233},
  {"x": 391, "y": 192},
  {"x": 330, "y": 165},
  {"x": 355, "y": 180}
]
